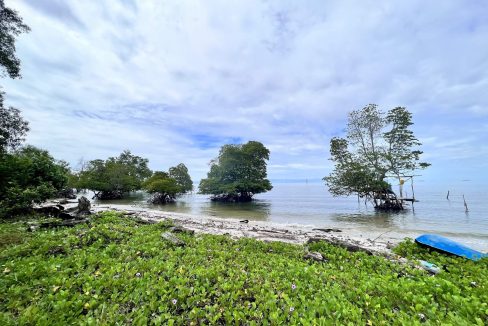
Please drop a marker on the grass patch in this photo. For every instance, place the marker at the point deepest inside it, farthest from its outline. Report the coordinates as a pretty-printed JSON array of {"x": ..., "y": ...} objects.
[{"x": 116, "y": 271}]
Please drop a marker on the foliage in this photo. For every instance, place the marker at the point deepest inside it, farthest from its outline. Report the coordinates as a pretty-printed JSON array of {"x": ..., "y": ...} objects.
[
  {"x": 11, "y": 26},
  {"x": 12, "y": 127},
  {"x": 237, "y": 173},
  {"x": 163, "y": 187},
  {"x": 112, "y": 272},
  {"x": 116, "y": 176},
  {"x": 182, "y": 177},
  {"x": 376, "y": 145},
  {"x": 29, "y": 175},
  {"x": 71, "y": 183}
]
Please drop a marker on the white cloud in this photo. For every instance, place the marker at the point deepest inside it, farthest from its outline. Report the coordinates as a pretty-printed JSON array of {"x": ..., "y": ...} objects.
[{"x": 173, "y": 81}]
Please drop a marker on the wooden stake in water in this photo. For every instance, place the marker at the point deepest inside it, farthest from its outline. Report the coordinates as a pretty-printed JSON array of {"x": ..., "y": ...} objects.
[
  {"x": 447, "y": 195},
  {"x": 465, "y": 205}
]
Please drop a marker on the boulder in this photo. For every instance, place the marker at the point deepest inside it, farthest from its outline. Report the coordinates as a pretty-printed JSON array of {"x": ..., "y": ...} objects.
[
  {"x": 317, "y": 256},
  {"x": 172, "y": 239}
]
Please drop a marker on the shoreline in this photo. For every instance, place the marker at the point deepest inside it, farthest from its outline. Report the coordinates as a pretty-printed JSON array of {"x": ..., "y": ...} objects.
[
  {"x": 261, "y": 230},
  {"x": 378, "y": 241}
]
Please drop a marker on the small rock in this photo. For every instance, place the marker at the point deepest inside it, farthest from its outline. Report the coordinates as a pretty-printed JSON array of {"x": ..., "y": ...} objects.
[
  {"x": 174, "y": 240},
  {"x": 317, "y": 256}
]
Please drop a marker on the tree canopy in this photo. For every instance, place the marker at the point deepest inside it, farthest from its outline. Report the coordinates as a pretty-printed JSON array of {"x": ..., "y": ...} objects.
[
  {"x": 237, "y": 173},
  {"x": 12, "y": 127},
  {"x": 163, "y": 188},
  {"x": 28, "y": 175},
  {"x": 116, "y": 176},
  {"x": 11, "y": 26},
  {"x": 182, "y": 177},
  {"x": 377, "y": 144}
]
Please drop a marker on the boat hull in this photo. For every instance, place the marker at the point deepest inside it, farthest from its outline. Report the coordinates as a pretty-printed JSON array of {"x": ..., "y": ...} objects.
[{"x": 449, "y": 246}]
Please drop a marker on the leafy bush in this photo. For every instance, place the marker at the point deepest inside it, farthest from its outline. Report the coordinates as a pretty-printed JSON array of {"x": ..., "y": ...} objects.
[
  {"x": 27, "y": 176},
  {"x": 115, "y": 271},
  {"x": 114, "y": 177}
]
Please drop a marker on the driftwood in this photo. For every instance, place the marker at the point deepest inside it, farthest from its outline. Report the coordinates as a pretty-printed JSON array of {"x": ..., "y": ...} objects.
[
  {"x": 343, "y": 244},
  {"x": 180, "y": 229},
  {"x": 68, "y": 223},
  {"x": 271, "y": 231},
  {"x": 56, "y": 224},
  {"x": 139, "y": 220},
  {"x": 328, "y": 230},
  {"x": 173, "y": 239},
  {"x": 59, "y": 211}
]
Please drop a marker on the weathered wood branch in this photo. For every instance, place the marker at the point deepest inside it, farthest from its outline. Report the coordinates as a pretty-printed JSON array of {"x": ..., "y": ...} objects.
[{"x": 343, "y": 244}]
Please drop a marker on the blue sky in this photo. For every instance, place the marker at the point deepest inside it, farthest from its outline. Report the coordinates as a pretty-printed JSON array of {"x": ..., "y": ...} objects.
[{"x": 174, "y": 80}]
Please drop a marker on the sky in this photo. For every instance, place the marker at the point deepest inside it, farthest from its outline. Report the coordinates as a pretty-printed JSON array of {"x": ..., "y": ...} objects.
[{"x": 173, "y": 81}]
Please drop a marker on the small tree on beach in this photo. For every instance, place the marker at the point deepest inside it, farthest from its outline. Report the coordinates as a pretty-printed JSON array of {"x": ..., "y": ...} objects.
[
  {"x": 377, "y": 144},
  {"x": 237, "y": 173}
]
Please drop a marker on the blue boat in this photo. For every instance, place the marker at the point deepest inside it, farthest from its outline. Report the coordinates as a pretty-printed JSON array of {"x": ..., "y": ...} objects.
[{"x": 447, "y": 245}]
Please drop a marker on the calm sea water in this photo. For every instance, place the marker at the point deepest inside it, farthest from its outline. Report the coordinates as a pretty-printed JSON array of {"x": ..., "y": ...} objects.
[{"x": 311, "y": 204}]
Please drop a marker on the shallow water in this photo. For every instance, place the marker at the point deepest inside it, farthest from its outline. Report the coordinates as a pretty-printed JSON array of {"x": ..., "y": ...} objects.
[{"x": 311, "y": 204}]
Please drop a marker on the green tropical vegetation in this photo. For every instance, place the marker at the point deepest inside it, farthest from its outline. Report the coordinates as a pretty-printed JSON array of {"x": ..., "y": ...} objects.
[
  {"x": 11, "y": 26},
  {"x": 109, "y": 270},
  {"x": 163, "y": 188},
  {"x": 182, "y": 177},
  {"x": 13, "y": 127},
  {"x": 114, "y": 177},
  {"x": 238, "y": 173},
  {"x": 116, "y": 271},
  {"x": 28, "y": 176},
  {"x": 377, "y": 145}
]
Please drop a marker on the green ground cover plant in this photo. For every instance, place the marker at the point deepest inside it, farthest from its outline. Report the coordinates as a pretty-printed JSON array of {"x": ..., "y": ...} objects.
[{"x": 117, "y": 271}]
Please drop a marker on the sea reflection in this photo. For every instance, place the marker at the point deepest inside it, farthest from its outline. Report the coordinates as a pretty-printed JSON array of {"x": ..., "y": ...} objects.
[
  {"x": 374, "y": 219},
  {"x": 199, "y": 205},
  {"x": 257, "y": 210}
]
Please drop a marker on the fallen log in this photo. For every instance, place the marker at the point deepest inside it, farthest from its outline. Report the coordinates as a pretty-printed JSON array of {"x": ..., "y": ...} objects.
[
  {"x": 327, "y": 230},
  {"x": 139, "y": 220},
  {"x": 68, "y": 223},
  {"x": 32, "y": 227},
  {"x": 343, "y": 244},
  {"x": 180, "y": 229}
]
